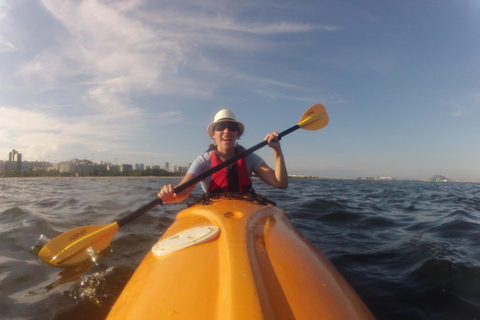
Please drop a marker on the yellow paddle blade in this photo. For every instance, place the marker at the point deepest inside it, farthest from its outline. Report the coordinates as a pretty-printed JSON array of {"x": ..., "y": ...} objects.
[
  {"x": 70, "y": 248},
  {"x": 314, "y": 118}
]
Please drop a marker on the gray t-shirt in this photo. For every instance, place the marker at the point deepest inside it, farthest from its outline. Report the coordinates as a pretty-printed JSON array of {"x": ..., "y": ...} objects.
[{"x": 204, "y": 163}]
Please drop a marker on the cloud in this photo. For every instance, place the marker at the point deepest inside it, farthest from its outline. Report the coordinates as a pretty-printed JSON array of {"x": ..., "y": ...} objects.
[
  {"x": 203, "y": 22},
  {"x": 114, "y": 52},
  {"x": 5, "y": 44},
  {"x": 202, "y": 28},
  {"x": 40, "y": 132},
  {"x": 19, "y": 124},
  {"x": 45, "y": 71},
  {"x": 122, "y": 48},
  {"x": 32, "y": 130},
  {"x": 469, "y": 106},
  {"x": 80, "y": 83},
  {"x": 93, "y": 70}
]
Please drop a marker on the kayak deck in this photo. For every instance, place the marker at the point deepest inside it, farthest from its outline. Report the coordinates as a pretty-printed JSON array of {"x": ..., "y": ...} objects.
[{"x": 257, "y": 266}]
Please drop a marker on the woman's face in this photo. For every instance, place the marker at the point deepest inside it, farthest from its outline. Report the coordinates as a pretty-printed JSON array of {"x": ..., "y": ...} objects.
[{"x": 225, "y": 134}]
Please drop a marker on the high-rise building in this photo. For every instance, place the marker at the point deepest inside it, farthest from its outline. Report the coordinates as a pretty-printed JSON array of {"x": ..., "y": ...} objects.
[
  {"x": 15, "y": 156},
  {"x": 14, "y": 161}
]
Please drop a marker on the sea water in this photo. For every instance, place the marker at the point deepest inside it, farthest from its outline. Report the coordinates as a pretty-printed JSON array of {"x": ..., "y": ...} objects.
[{"x": 410, "y": 249}]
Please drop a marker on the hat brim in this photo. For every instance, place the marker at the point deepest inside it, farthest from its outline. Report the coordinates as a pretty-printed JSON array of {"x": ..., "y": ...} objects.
[{"x": 210, "y": 127}]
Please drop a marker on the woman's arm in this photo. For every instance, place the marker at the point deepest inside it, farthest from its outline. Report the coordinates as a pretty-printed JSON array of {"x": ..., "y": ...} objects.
[{"x": 277, "y": 178}]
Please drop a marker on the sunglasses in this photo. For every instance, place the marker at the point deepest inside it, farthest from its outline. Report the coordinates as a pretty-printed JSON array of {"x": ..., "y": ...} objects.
[{"x": 232, "y": 126}]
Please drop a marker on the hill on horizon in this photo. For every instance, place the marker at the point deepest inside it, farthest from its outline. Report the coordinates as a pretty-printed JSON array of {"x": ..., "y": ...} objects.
[{"x": 438, "y": 177}]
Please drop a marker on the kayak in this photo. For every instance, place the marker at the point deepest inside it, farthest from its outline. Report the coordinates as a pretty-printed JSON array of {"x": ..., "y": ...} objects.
[{"x": 236, "y": 257}]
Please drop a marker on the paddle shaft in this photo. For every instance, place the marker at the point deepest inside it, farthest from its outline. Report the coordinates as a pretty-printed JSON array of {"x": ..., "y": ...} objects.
[{"x": 152, "y": 204}]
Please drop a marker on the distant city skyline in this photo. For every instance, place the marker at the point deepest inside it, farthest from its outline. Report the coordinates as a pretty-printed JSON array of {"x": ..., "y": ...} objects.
[
  {"x": 179, "y": 168},
  {"x": 78, "y": 166},
  {"x": 16, "y": 154}
]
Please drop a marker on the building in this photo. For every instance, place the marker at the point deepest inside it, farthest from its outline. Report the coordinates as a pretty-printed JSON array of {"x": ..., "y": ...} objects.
[
  {"x": 182, "y": 169},
  {"x": 126, "y": 168},
  {"x": 66, "y": 166},
  {"x": 83, "y": 167},
  {"x": 99, "y": 167},
  {"x": 14, "y": 161},
  {"x": 35, "y": 166},
  {"x": 113, "y": 168},
  {"x": 15, "y": 156}
]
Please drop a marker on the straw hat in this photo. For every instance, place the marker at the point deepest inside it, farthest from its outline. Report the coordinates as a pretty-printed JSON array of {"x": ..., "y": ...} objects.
[{"x": 225, "y": 115}]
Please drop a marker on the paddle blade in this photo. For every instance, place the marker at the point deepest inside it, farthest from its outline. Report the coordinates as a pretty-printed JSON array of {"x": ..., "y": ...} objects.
[
  {"x": 70, "y": 248},
  {"x": 314, "y": 118}
]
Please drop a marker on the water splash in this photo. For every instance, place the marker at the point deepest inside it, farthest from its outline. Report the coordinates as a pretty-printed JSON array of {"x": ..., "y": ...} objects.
[
  {"x": 41, "y": 242},
  {"x": 92, "y": 288}
]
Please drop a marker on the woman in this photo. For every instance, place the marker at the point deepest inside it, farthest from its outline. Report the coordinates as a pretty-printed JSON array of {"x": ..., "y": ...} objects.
[{"x": 226, "y": 130}]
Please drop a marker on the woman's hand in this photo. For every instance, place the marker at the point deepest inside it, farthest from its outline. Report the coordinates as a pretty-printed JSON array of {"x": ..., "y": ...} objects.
[
  {"x": 167, "y": 194},
  {"x": 273, "y": 140}
]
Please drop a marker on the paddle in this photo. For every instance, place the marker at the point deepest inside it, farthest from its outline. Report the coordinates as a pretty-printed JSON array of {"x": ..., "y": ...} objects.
[{"x": 73, "y": 247}]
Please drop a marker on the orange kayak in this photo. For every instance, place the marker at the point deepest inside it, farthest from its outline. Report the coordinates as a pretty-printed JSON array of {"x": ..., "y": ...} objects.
[{"x": 236, "y": 259}]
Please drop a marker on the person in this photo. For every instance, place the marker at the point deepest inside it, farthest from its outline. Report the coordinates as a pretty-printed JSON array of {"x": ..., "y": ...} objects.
[{"x": 225, "y": 130}]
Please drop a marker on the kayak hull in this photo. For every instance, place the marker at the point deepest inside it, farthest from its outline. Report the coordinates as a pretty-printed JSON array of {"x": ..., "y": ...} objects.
[{"x": 258, "y": 266}]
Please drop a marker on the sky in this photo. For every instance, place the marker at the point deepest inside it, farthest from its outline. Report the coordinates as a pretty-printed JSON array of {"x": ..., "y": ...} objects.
[{"x": 138, "y": 81}]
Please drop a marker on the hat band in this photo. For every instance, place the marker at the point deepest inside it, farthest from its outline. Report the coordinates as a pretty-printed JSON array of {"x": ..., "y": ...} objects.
[{"x": 225, "y": 119}]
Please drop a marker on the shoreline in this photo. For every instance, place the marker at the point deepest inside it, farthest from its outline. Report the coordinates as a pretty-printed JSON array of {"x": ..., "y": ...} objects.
[
  {"x": 93, "y": 177},
  {"x": 253, "y": 177}
]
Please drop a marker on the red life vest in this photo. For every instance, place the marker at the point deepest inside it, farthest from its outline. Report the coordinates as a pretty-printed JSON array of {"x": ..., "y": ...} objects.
[{"x": 229, "y": 179}]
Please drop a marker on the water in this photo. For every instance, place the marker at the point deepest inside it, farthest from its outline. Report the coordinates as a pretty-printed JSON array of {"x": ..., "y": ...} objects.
[{"x": 411, "y": 250}]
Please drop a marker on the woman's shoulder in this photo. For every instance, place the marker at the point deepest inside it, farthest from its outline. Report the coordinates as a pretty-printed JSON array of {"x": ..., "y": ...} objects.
[
  {"x": 200, "y": 164},
  {"x": 254, "y": 156},
  {"x": 254, "y": 161},
  {"x": 203, "y": 158}
]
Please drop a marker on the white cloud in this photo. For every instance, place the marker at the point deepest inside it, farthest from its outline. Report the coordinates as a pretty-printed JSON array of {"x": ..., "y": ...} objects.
[
  {"x": 467, "y": 107},
  {"x": 116, "y": 53},
  {"x": 120, "y": 49},
  {"x": 45, "y": 71},
  {"x": 202, "y": 22},
  {"x": 80, "y": 86},
  {"x": 6, "y": 45}
]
